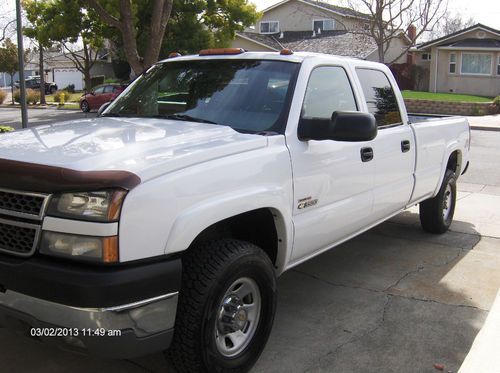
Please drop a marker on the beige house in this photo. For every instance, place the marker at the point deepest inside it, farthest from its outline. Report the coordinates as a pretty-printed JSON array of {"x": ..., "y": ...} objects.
[
  {"x": 467, "y": 61},
  {"x": 315, "y": 26}
]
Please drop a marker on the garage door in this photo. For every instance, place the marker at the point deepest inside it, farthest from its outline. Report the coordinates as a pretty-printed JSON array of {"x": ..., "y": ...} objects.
[{"x": 65, "y": 77}]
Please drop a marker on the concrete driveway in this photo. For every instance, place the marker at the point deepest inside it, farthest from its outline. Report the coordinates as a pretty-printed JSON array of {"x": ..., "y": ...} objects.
[{"x": 395, "y": 299}]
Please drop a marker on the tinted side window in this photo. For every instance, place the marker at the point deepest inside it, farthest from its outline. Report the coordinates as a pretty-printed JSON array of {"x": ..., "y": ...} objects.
[
  {"x": 108, "y": 89},
  {"x": 380, "y": 97},
  {"x": 99, "y": 90},
  {"x": 328, "y": 90}
]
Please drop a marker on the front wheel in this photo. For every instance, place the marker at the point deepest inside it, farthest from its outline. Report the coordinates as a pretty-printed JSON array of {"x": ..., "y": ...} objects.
[
  {"x": 436, "y": 214},
  {"x": 84, "y": 105},
  {"x": 226, "y": 308}
]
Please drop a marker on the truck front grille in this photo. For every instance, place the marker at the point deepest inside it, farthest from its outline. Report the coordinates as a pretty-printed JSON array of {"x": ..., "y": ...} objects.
[
  {"x": 22, "y": 204},
  {"x": 18, "y": 238},
  {"x": 21, "y": 215}
]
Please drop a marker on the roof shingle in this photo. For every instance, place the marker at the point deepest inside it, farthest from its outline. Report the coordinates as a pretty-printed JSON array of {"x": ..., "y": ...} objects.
[{"x": 340, "y": 43}]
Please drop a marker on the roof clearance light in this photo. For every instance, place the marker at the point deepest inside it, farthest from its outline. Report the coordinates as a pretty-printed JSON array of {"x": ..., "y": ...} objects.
[
  {"x": 286, "y": 52},
  {"x": 221, "y": 51},
  {"x": 174, "y": 54}
]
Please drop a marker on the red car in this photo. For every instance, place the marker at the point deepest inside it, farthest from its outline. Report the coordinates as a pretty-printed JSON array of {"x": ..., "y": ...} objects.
[{"x": 100, "y": 95}]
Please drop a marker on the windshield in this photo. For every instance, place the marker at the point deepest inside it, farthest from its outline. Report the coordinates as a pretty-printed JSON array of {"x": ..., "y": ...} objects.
[{"x": 247, "y": 95}]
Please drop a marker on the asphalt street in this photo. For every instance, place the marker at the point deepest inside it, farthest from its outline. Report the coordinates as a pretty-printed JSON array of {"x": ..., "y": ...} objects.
[
  {"x": 12, "y": 117},
  {"x": 395, "y": 299}
]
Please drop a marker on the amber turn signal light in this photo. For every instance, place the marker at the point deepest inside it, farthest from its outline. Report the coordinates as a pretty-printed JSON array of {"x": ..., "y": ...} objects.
[
  {"x": 221, "y": 51},
  {"x": 286, "y": 52}
]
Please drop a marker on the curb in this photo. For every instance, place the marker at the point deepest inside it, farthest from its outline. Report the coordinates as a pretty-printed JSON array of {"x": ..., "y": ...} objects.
[{"x": 483, "y": 128}]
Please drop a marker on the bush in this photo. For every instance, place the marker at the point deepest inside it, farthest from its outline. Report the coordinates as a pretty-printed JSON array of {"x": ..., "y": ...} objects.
[
  {"x": 61, "y": 97},
  {"x": 6, "y": 129},
  {"x": 2, "y": 96},
  {"x": 70, "y": 88},
  {"x": 32, "y": 96},
  {"x": 17, "y": 96},
  {"x": 111, "y": 80}
]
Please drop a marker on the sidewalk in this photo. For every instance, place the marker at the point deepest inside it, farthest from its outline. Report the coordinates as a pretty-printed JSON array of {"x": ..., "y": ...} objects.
[
  {"x": 485, "y": 122},
  {"x": 483, "y": 356}
]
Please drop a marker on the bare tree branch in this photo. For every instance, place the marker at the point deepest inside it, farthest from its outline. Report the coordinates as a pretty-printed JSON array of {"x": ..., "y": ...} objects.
[
  {"x": 391, "y": 18},
  {"x": 103, "y": 13}
]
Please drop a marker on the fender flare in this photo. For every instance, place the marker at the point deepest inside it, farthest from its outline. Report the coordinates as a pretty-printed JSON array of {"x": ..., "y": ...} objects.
[
  {"x": 450, "y": 149},
  {"x": 191, "y": 222}
]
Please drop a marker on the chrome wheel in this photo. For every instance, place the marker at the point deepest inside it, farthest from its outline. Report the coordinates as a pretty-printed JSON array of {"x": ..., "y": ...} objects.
[
  {"x": 238, "y": 317},
  {"x": 447, "y": 202}
]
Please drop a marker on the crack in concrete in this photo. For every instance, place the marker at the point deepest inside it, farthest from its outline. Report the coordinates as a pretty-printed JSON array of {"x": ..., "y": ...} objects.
[
  {"x": 421, "y": 267},
  {"x": 357, "y": 337},
  {"x": 387, "y": 291}
]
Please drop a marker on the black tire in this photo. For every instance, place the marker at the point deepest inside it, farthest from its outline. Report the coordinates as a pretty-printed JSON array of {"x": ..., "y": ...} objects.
[
  {"x": 432, "y": 211},
  {"x": 52, "y": 90},
  {"x": 84, "y": 105},
  {"x": 209, "y": 270}
]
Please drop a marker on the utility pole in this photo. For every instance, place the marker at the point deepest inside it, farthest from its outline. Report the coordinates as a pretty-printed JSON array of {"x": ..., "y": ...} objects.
[{"x": 20, "y": 53}]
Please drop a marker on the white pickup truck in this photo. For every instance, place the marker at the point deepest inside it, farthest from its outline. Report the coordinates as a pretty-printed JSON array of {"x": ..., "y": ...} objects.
[{"x": 163, "y": 223}]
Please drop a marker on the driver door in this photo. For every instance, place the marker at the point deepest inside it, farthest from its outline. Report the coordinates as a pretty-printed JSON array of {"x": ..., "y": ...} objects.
[{"x": 332, "y": 183}]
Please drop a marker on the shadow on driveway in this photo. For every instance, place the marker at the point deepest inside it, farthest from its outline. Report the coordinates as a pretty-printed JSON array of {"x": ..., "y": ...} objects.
[{"x": 395, "y": 299}]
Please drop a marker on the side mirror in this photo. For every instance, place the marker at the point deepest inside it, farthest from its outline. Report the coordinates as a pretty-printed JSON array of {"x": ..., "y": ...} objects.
[
  {"x": 351, "y": 126},
  {"x": 102, "y": 108}
]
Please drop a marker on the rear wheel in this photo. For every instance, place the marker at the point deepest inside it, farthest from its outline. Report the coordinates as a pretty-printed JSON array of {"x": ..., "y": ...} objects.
[
  {"x": 52, "y": 90},
  {"x": 84, "y": 105},
  {"x": 436, "y": 214},
  {"x": 226, "y": 308}
]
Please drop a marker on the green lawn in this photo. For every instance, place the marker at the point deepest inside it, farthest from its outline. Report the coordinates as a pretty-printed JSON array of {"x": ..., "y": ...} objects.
[{"x": 444, "y": 97}]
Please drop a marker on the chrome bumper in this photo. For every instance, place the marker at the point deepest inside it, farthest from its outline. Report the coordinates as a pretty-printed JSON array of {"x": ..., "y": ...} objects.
[{"x": 140, "y": 321}]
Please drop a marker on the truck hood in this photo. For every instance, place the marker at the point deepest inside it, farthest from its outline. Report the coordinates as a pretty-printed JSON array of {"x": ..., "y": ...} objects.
[{"x": 146, "y": 147}]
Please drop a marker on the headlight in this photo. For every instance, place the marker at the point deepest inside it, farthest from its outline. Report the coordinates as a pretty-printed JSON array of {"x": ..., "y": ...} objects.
[
  {"x": 102, "y": 206},
  {"x": 97, "y": 249}
]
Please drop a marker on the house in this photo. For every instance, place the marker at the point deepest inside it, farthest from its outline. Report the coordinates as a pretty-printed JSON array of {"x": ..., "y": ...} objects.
[
  {"x": 316, "y": 26},
  {"x": 62, "y": 70},
  {"x": 467, "y": 61}
]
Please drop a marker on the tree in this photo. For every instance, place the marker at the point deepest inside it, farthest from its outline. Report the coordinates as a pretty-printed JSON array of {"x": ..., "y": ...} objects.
[
  {"x": 142, "y": 25},
  {"x": 78, "y": 30},
  {"x": 9, "y": 61},
  {"x": 389, "y": 18},
  {"x": 450, "y": 23}
]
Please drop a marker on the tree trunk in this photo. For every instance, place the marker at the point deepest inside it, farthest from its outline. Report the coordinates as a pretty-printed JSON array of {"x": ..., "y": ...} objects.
[
  {"x": 88, "y": 78},
  {"x": 381, "y": 57},
  {"x": 12, "y": 88},
  {"x": 42, "y": 77}
]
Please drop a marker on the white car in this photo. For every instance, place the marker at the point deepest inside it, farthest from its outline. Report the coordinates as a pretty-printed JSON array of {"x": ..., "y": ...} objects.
[{"x": 164, "y": 223}]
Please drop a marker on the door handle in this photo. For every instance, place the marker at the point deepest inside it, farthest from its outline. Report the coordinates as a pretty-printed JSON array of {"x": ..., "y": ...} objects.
[
  {"x": 366, "y": 154},
  {"x": 405, "y": 146}
]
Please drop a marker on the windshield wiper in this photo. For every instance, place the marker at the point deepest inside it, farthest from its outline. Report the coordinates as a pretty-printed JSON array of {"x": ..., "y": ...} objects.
[
  {"x": 116, "y": 115},
  {"x": 188, "y": 118}
]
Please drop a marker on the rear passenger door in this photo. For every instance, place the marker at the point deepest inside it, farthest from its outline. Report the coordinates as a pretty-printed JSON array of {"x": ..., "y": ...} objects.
[{"x": 393, "y": 148}]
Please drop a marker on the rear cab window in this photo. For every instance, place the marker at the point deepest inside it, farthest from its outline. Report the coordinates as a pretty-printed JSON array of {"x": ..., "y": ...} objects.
[{"x": 380, "y": 97}]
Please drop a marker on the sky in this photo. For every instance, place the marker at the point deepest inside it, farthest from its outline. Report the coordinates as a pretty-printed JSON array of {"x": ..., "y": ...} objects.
[{"x": 482, "y": 11}]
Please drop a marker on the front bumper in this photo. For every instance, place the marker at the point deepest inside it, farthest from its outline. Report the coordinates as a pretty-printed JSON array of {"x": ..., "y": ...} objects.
[{"x": 132, "y": 312}]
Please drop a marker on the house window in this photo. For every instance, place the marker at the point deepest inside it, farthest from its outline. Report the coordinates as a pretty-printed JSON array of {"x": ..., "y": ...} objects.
[
  {"x": 426, "y": 56},
  {"x": 453, "y": 63},
  {"x": 323, "y": 24},
  {"x": 498, "y": 66},
  {"x": 270, "y": 27},
  {"x": 476, "y": 63}
]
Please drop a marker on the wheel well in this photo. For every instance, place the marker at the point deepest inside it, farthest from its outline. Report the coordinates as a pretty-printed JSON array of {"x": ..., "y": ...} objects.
[
  {"x": 453, "y": 162},
  {"x": 257, "y": 227}
]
